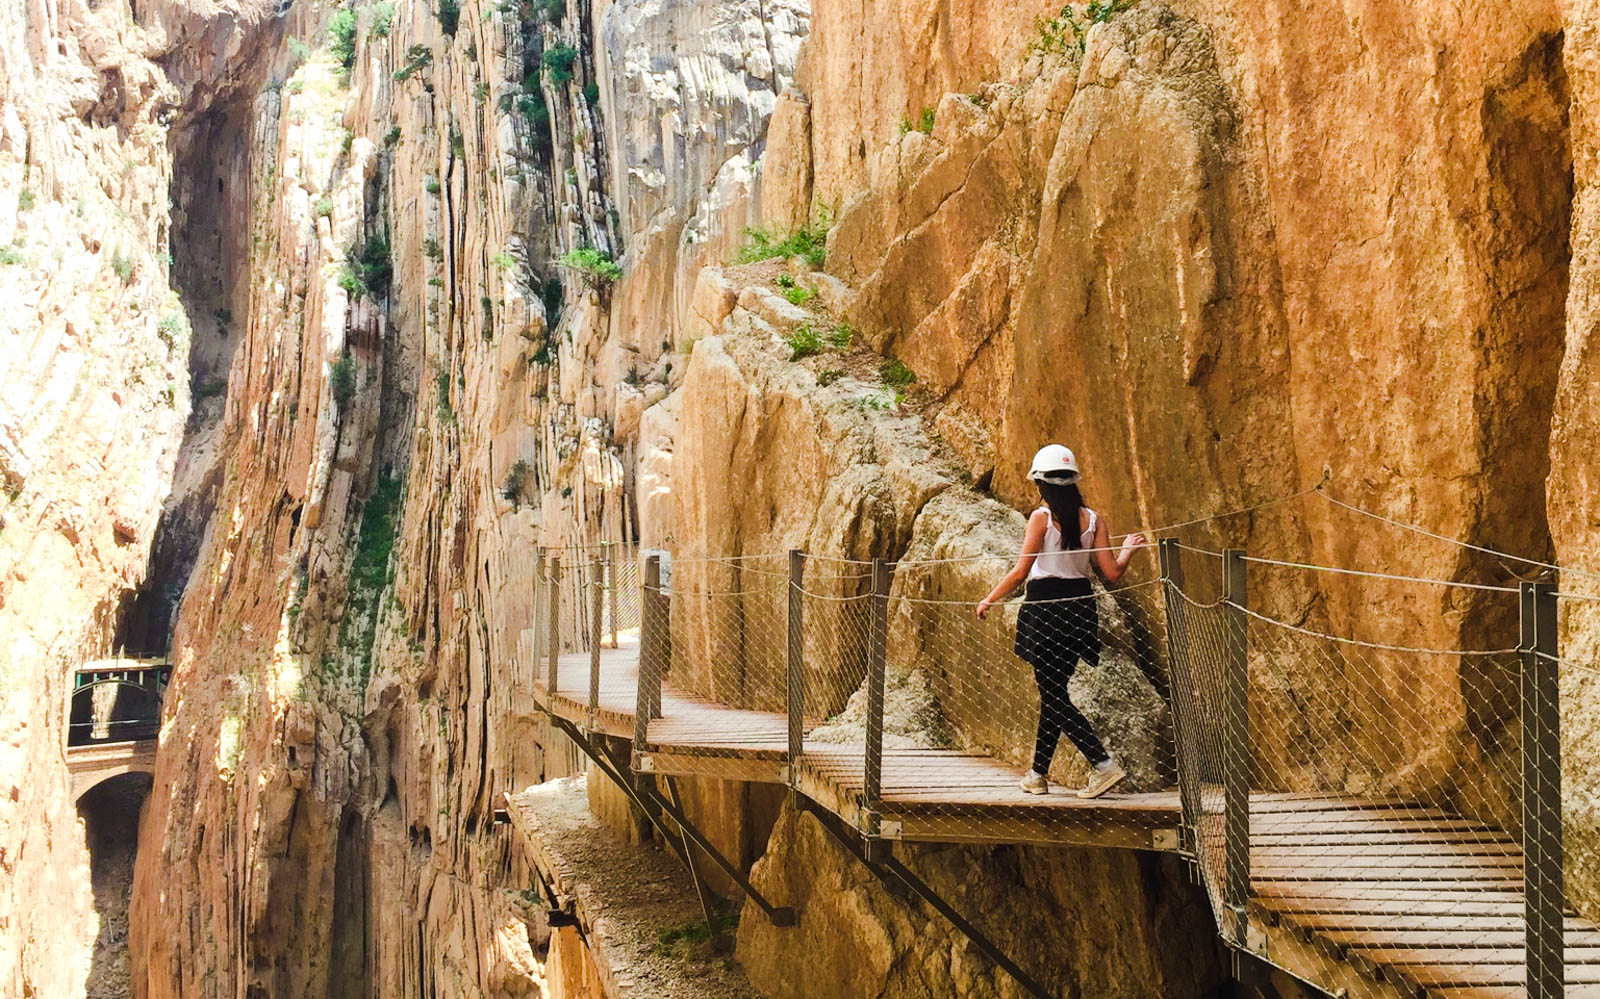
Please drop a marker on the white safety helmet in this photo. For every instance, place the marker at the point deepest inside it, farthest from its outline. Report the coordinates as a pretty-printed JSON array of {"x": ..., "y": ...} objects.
[{"x": 1054, "y": 464}]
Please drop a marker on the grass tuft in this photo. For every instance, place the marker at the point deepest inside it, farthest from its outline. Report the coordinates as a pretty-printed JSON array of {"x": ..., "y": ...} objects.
[{"x": 808, "y": 242}]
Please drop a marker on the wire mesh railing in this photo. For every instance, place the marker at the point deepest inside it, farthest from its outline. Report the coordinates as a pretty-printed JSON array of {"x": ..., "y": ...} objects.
[
  {"x": 1393, "y": 805},
  {"x": 1357, "y": 788}
]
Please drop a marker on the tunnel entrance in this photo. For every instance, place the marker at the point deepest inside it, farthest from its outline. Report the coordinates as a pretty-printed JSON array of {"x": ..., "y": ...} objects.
[{"x": 110, "y": 813}]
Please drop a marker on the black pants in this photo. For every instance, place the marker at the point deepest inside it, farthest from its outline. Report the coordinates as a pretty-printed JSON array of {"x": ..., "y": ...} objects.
[{"x": 1058, "y": 625}]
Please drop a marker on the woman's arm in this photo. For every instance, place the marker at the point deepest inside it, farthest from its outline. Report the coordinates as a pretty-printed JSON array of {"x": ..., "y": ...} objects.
[
  {"x": 1113, "y": 566},
  {"x": 1032, "y": 541}
]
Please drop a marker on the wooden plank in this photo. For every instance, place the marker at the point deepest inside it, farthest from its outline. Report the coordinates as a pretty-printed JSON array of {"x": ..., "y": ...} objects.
[
  {"x": 1048, "y": 831},
  {"x": 1510, "y": 905},
  {"x": 1431, "y": 975},
  {"x": 1401, "y": 923},
  {"x": 1268, "y": 802},
  {"x": 1356, "y": 822},
  {"x": 677, "y": 764},
  {"x": 1395, "y": 850},
  {"x": 1506, "y": 992},
  {"x": 1433, "y": 878},
  {"x": 1289, "y": 890},
  {"x": 1482, "y": 948}
]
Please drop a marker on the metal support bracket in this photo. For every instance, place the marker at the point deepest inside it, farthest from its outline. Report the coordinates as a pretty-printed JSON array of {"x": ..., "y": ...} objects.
[
  {"x": 1168, "y": 840},
  {"x": 653, "y": 804},
  {"x": 902, "y": 883}
]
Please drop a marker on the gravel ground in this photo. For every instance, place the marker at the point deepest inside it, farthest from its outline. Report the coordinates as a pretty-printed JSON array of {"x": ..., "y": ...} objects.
[{"x": 626, "y": 896}]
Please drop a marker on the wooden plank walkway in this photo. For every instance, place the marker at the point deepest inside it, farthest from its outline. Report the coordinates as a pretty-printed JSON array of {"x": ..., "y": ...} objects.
[
  {"x": 928, "y": 795},
  {"x": 1381, "y": 898}
]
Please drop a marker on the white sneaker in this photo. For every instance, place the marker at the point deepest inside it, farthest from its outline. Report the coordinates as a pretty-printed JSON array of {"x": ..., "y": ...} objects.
[
  {"x": 1034, "y": 783},
  {"x": 1101, "y": 781}
]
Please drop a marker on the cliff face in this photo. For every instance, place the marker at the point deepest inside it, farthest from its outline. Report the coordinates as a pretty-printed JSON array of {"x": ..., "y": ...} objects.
[
  {"x": 94, "y": 399},
  {"x": 283, "y": 304}
]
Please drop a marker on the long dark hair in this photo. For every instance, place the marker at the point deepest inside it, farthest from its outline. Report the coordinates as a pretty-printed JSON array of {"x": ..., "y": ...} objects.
[{"x": 1065, "y": 502}]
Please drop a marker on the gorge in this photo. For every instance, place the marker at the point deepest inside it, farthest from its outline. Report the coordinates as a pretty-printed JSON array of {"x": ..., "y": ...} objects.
[{"x": 321, "y": 321}]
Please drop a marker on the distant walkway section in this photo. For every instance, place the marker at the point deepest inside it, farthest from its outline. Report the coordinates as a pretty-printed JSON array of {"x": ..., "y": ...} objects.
[{"x": 114, "y": 720}]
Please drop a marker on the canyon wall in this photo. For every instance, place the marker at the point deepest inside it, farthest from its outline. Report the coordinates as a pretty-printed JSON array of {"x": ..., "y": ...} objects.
[
  {"x": 320, "y": 303},
  {"x": 94, "y": 400}
]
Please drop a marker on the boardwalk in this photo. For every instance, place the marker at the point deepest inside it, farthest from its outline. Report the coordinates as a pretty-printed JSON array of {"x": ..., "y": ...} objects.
[
  {"x": 929, "y": 795},
  {"x": 1376, "y": 897}
]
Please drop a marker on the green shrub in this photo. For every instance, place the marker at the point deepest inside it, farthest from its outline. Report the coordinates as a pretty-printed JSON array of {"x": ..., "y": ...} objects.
[
  {"x": 557, "y": 61},
  {"x": 431, "y": 185},
  {"x": 591, "y": 93},
  {"x": 504, "y": 261},
  {"x": 369, "y": 571},
  {"x": 342, "y": 37},
  {"x": 516, "y": 484},
  {"x": 784, "y": 281},
  {"x": 382, "y": 18},
  {"x": 342, "y": 379},
  {"x": 173, "y": 328},
  {"x": 449, "y": 14},
  {"x": 430, "y": 249},
  {"x": 895, "y": 373},
  {"x": 418, "y": 57},
  {"x": 550, "y": 10},
  {"x": 925, "y": 121},
  {"x": 693, "y": 941},
  {"x": 799, "y": 296},
  {"x": 840, "y": 337},
  {"x": 367, "y": 268},
  {"x": 809, "y": 242},
  {"x": 446, "y": 414},
  {"x": 123, "y": 265},
  {"x": 596, "y": 264},
  {"x": 532, "y": 106},
  {"x": 300, "y": 50},
  {"x": 323, "y": 207},
  {"x": 1069, "y": 31},
  {"x": 208, "y": 388},
  {"x": 25, "y": 200},
  {"x": 10, "y": 255},
  {"x": 804, "y": 341},
  {"x": 392, "y": 138},
  {"x": 480, "y": 93},
  {"x": 828, "y": 376}
]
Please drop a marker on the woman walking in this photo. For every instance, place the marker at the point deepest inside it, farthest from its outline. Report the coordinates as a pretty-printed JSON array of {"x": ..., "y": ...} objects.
[{"x": 1059, "y": 623}]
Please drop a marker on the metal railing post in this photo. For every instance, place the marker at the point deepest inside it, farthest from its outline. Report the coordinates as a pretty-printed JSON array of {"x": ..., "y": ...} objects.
[
  {"x": 877, "y": 656},
  {"x": 535, "y": 645},
  {"x": 611, "y": 589},
  {"x": 597, "y": 596},
  {"x": 1236, "y": 749},
  {"x": 654, "y": 655},
  {"x": 1543, "y": 884},
  {"x": 553, "y": 667},
  {"x": 796, "y": 662},
  {"x": 1181, "y": 684}
]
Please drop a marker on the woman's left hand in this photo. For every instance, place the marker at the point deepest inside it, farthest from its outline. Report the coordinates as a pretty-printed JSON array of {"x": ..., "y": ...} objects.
[{"x": 983, "y": 608}]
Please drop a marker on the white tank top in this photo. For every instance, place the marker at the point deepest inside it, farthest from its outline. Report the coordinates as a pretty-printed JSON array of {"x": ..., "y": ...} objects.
[{"x": 1055, "y": 561}]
